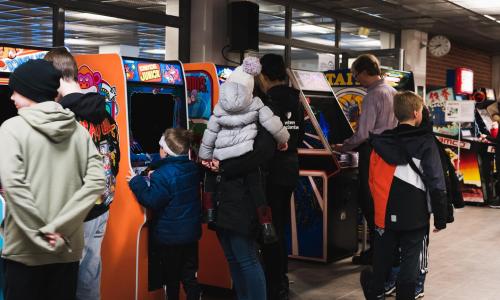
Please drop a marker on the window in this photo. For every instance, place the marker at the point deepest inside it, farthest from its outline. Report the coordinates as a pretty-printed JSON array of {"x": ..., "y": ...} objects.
[
  {"x": 271, "y": 18},
  {"x": 265, "y": 48},
  {"x": 304, "y": 59},
  {"x": 85, "y": 32},
  {"x": 359, "y": 38},
  {"x": 25, "y": 24},
  {"x": 313, "y": 28}
]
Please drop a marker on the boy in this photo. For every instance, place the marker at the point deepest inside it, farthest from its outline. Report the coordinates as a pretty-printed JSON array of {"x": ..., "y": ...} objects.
[
  {"x": 90, "y": 111},
  {"x": 51, "y": 173},
  {"x": 405, "y": 170}
]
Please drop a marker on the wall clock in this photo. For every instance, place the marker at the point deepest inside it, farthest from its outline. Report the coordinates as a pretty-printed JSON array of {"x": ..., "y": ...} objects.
[{"x": 439, "y": 45}]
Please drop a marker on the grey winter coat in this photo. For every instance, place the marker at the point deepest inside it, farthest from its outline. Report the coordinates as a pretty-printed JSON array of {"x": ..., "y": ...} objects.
[{"x": 232, "y": 128}]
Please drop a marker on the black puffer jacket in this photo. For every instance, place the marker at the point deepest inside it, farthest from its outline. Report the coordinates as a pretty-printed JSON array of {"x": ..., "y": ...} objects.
[
  {"x": 90, "y": 111},
  {"x": 236, "y": 209},
  {"x": 284, "y": 102}
]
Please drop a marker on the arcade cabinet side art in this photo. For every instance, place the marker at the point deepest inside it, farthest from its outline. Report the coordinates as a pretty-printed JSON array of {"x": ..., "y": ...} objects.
[{"x": 121, "y": 246}]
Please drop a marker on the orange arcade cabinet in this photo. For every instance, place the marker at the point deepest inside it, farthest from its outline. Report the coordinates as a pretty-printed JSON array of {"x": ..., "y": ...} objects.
[
  {"x": 203, "y": 92},
  {"x": 145, "y": 97}
]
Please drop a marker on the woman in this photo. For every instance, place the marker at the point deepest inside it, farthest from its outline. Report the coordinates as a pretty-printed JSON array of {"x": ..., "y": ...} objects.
[{"x": 284, "y": 169}]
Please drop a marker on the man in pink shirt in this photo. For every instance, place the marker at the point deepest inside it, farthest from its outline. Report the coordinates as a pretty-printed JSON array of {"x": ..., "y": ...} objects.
[{"x": 377, "y": 115}]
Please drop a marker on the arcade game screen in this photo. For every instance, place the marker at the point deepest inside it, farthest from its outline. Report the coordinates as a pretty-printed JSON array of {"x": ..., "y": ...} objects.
[
  {"x": 223, "y": 72},
  {"x": 331, "y": 118},
  {"x": 7, "y": 107},
  {"x": 400, "y": 80}
]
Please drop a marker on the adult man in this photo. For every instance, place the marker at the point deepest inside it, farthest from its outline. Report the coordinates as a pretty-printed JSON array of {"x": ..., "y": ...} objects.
[
  {"x": 51, "y": 173},
  {"x": 90, "y": 111},
  {"x": 376, "y": 116}
]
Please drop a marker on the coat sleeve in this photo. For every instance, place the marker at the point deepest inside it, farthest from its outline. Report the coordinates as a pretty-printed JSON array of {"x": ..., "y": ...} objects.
[
  {"x": 264, "y": 148},
  {"x": 18, "y": 195},
  {"x": 273, "y": 124},
  {"x": 209, "y": 136},
  {"x": 77, "y": 207},
  {"x": 433, "y": 171},
  {"x": 155, "y": 195}
]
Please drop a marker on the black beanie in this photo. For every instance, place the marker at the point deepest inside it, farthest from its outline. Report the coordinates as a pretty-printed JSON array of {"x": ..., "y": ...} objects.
[{"x": 36, "y": 80}]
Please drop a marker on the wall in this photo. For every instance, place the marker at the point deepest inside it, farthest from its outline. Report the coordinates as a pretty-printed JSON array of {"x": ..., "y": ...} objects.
[{"x": 460, "y": 56}]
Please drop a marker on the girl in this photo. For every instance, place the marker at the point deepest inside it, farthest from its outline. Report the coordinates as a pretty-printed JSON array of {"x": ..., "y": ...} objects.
[{"x": 173, "y": 195}]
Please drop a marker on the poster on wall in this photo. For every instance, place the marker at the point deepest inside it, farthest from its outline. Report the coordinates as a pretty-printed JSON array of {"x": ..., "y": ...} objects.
[
  {"x": 436, "y": 102},
  {"x": 349, "y": 93}
]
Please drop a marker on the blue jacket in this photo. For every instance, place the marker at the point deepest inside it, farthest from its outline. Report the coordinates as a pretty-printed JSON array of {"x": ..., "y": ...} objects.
[{"x": 174, "y": 197}]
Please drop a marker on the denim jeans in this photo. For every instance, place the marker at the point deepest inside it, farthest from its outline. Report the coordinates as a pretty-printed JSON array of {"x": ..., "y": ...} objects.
[
  {"x": 246, "y": 271},
  {"x": 89, "y": 274}
]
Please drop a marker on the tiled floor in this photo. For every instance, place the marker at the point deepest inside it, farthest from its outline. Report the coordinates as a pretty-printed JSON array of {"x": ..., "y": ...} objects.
[{"x": 464, "y": 264}]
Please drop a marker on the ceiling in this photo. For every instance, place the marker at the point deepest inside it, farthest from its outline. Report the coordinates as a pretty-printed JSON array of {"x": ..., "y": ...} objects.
[
  {"x": 463, "y": 21},
  {"x": 27, "y": 24}
]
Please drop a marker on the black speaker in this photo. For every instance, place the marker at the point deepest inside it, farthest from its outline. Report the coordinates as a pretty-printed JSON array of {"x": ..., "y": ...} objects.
[{"x": 243, "y": 25}]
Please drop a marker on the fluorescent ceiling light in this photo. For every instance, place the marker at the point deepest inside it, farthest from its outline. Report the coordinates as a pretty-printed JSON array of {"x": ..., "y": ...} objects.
[
  {"x": 271, "y": 47},
  {"x": 83, "y": 42},
  {"x": 306, "y": 28},
  {"x": 154, "y": 51},
  {"x": 94, "y": 17},
  {"x": 484, "y": 7},
  {"x": 316, "y": 40},
  {"x": 490, "y": 17},
  {"x": 92, "y": 29}
]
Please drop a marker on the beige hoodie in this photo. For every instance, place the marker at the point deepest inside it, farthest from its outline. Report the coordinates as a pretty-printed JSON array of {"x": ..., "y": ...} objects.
[{"x": 52, "y": 174}]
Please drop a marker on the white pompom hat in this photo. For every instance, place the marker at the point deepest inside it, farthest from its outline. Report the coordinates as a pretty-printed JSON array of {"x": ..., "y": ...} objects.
[{"x": 245, "y": 73}]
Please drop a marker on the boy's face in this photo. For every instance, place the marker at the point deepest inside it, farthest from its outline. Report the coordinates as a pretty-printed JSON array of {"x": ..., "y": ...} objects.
[{"x": 20, "y": 101}]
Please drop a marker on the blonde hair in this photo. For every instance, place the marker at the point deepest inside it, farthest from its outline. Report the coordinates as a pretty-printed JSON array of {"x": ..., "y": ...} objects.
[
  {"x": 179, "y": 140},
  {"x": 405, "y": 104}
]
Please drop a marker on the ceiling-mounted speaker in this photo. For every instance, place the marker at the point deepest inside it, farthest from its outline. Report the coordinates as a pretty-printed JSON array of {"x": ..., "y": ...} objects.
[{"x": 243, "y": 25}]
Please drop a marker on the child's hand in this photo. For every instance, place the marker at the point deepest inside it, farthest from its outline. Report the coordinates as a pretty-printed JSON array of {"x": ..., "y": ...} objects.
[
  {"x": 131, "y": 174},
  {"x": 206, "y": 163},
  {"x": 283, "y": 147},
  {"x": 214, "y": 165},
  {"x": 150, "y": 173}
]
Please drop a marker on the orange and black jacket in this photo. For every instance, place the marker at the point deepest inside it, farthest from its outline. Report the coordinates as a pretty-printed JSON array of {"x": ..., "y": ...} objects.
[{"x": 403, "y": 198}]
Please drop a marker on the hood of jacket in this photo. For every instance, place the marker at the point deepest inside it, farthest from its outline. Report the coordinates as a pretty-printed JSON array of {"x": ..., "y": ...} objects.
[
  {"x": 90, "y": 107},
  {"x": 284, "y": 97},
  {"x": 50, "y": 119},
  {"x": 234, "y": 97},
  {"x": 388, "y": 144}
]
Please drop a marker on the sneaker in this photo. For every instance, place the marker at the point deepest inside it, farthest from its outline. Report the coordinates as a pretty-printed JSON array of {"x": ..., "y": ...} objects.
[
  {"x": 390, "y": 288},
  {"x": 419, "y": 293},
  {"x": 494, "y": 203},
  {"x": 390, "y": 284}
]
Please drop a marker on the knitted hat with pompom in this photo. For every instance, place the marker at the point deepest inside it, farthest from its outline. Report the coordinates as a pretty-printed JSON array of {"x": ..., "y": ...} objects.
[{"x": 245, "y": 73}]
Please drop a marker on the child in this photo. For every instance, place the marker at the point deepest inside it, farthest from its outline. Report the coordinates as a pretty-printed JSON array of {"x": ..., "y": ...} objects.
[
  {"x": 173, "y": 196},
  {"x": 405, "y": 169},
  {"x": 231, "y": 131}
]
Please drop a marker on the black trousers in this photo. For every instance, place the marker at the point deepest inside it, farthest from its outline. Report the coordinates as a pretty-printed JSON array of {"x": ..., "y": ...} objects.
[
  {"x": 276, "y": 255},
  {"x": 46, "y": 282},
  {"x": 385, "y": 251},
  {"x": 181, "y": 265}
]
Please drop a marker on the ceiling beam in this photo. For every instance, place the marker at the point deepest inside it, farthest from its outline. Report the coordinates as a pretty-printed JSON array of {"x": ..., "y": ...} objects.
[{"x": 112, "y": 11}]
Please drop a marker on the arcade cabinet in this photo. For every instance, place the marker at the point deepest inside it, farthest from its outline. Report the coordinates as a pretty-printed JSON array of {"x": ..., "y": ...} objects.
[
  {"x": 471, "y": 157},
  {"x": 145, "y": 97},
  {"x": 323, "y": 223},
  {"x": 203, "y": 92}
]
